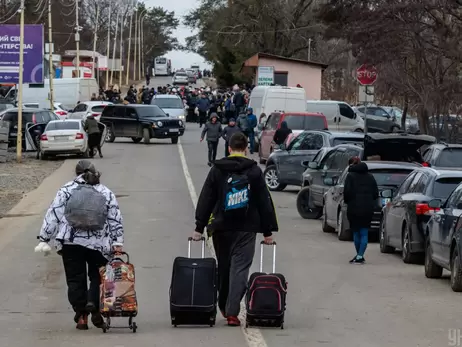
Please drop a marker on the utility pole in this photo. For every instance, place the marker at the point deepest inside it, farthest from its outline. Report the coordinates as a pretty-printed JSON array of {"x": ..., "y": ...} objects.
[
  {"x": 309, "y": 49},
  {"x": 50, "y": 56},
  {"x": 136, "y": 40},
  {"x": 114, "y": 48},
  {"x": 108, "y": 47},
  {"x": 129, "y": 45},
  {"x": 20, "y": 83},
  {"x": 122, "y": 25},
  {"x": 77, "y": 37},
  {"x": 142, "y": 52},
  {"x": 95, "y": 38},
  {"x": 139, "y": 46}
]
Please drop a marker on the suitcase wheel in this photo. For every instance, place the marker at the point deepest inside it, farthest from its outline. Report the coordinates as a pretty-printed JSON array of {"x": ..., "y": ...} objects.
[
  {"x": 134, "y": 327},
  {"x": 282, "y": 326}
]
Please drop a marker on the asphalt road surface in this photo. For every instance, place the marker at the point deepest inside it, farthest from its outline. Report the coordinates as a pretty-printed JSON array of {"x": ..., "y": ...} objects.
[{"x": 330, "y": 302}]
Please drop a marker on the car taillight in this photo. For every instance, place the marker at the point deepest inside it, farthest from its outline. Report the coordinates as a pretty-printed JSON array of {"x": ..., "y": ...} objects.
[
  {"x": 421, "y": 209},
  {"x": 425, "y": 164},
  {"x": 79, "y": 136},
  {"x": 95, "y": 114},
  {"x": 61, "y": 113},
  {"x": 44, "y": 137}
]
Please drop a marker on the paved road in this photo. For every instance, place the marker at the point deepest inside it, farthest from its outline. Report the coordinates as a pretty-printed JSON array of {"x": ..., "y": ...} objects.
[{"x": 330, "y": 303}]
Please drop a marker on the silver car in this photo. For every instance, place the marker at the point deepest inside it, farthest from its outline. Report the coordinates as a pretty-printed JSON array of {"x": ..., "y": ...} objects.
[
  {"x": 180, "y": 77},
  {"x": 171, "y": 105}
]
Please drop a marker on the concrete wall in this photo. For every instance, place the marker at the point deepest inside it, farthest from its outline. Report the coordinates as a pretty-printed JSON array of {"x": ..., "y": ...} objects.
[{"x": 309, "y": 77}]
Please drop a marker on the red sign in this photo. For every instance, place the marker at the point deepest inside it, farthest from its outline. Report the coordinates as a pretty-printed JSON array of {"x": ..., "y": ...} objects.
[{"x": 366, "y": 75}]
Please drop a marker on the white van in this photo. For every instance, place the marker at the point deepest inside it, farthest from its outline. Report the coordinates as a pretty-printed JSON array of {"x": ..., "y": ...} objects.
[
  {"x": 339, "y": 115},
  {"x": 67, "y": 91}
]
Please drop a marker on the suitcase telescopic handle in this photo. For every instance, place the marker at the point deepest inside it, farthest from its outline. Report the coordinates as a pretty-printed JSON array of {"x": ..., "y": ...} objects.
[
  {"x": 274, "y": 255},
  {"x": 190, "y": 240},
  {"x": 117, "y": 257}
]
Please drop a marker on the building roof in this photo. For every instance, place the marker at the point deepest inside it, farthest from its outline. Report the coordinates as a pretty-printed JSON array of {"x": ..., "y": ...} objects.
[{"x": 254, "y": 60}]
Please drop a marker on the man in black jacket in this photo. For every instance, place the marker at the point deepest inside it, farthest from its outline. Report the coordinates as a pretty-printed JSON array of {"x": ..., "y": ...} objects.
[
  {"x": 360, "y": 193},
  {"x": 235, "y": 205}
]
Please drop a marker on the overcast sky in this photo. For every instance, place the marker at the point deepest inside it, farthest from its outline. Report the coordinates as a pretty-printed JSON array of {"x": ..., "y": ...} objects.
[{"x": 181, "y": 7}]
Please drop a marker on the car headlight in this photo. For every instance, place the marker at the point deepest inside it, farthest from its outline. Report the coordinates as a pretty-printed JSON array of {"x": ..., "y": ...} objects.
[
  {"x": 159, "y": 124},
  {"x": 180, "y": 123},
  {"x": 181, "y": 116}
]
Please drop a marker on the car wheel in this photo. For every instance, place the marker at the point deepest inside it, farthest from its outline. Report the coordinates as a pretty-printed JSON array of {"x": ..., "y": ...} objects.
[
  {"x": 146, "y": 136},
  {"x": 137, "y": 139},
  {"x": 342, "y": 233},
  {"x": 394, "y": 129},
  {"x": 406, "y": 255},
  {"x": 384, "y": 248},
  {"x": 110, "y": 137},
  {"x": 272, "y": 179},
  {"x": 326, "y": 227},
  {"x": 359, "y": 130},
  {"x": 43, "y": 156},
  {"x": 86, "y": 154},
  {"x": 432, "y": 270},
  {"x": 456, "y": 271},
  {"x": 174, "y": 140},
  {"x": 304, "y": 206}
]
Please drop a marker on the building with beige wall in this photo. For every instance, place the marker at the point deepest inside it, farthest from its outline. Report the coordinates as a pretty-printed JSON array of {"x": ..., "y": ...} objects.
[{"x": 289, "y": 72}]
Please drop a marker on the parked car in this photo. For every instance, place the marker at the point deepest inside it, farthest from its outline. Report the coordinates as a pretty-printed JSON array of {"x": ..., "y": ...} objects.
[
  {"x": 140, "y": 122},
  {"x": 378, "y": 119},
  {"x": 411, "y": 123},
  {"x": 388, "y": 175},
  {"x": 66, "y": 137},
  {"x": 443, "y": 242},
  {"x": 285, "y": 166},
  {"x": 405, "y": 217},
  {"x": 443, "y": 155},
  {"x": 60, "y": 110},
  {"x": 180, "y": 77},
  {"x": 192, "y": 76},
  {"x": 297, "y": 122},
  {"x": 396, "y": 147},
  {"x": 340, "y": 116},
  {"x": 86, "y": 108},
  {"x": 172, "y": 105},
  {"x": 30, "y": 116}
]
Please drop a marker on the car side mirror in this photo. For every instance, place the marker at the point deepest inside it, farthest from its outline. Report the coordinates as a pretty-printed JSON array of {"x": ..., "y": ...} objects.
[
  {"x": 313, "y": 165},
  {"x": 168, "y": 115},
  {"x": 305, "y": 163},
  {"x": 435, "y": 204},
  {"x": 387, "y": 194}
]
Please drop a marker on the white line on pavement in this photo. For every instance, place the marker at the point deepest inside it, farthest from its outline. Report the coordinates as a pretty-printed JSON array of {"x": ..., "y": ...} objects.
[{"x": 253, "y": 336}]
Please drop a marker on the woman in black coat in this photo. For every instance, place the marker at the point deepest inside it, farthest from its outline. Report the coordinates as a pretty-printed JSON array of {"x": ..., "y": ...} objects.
[{"x": 360, "y": 193}]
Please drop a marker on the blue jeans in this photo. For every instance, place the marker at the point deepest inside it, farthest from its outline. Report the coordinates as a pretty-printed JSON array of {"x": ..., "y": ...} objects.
[
  {"x": 360, "y": 238},
  {"x": 251, "y": 136}
]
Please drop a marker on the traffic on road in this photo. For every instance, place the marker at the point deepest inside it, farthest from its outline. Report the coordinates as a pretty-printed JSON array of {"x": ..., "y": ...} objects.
[{"x": 388, "y": 191}]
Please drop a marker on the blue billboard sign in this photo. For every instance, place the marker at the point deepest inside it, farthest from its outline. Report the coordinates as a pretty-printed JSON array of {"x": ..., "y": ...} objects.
[{"x": 33, "y": 53}]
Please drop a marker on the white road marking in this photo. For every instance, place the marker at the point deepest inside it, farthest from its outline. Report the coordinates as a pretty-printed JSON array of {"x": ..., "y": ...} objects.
[{"x": 253, "y": 336}]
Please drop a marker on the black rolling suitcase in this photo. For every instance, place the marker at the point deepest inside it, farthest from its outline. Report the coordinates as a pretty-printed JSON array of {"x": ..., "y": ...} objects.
[
  {"x": 193, "y": 291},
  {"x": 266, "y": 296}
]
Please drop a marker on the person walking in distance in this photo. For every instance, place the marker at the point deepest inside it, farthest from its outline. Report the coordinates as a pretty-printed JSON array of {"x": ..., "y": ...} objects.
[
  {"x": 203, "y": 105},
  {"x": 85, "y": 225},
  {"x": 235, "y": 205},
  {"x": 281, "y": 134},
  {"x": 253, "y": 122},
  {"x": 94, "y": 135},
  {"x": 213, "y": 131},
  {"x": 360, "y": 193},
  {"x": 238, "y": 100},
  {"x": 229, "y": 131}
]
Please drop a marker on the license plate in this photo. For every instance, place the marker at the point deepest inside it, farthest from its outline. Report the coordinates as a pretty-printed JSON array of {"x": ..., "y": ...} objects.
[
  {"x": 14, "y": 134},
  {"x": 174, "y": 130},
  {"x": 61, "y": 138},
  {"x": 385, "y": 201}
]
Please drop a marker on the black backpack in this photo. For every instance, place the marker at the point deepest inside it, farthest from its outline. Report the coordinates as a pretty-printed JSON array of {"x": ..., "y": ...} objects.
[{"x": 236, "y": 195}]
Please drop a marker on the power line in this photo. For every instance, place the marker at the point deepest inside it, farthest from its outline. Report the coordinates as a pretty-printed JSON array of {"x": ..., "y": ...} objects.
[
  {"x": 258, "y": 32},
  {"x": 11, "y": 17}
]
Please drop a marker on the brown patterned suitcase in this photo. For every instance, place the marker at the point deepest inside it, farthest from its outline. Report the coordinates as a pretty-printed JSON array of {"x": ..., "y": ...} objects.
[{"x": 117, "y": 291}]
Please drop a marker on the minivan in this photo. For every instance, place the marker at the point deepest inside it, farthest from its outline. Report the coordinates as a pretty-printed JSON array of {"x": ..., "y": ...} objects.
[
  {"x": 268, "y": 99},
  {"x": 340, "y": 116}
]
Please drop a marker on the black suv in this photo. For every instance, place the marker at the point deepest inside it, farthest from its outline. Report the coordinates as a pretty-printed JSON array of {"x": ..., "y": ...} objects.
[
  {"x": 396, "y": 147},
  {"x": 285, "y": 165},
  {"x": 140, "y": 122},
  {"x": 443, "y": 155},
  {"x": 30, "y": 116}
]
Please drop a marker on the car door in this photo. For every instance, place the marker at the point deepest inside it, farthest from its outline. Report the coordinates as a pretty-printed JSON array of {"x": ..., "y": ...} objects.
[
  {"x": 300, "y": 150},
  {"x": 268, "y": 134},
  {"x": 317, "y": 183},
  {"x": 335, "y": 195},
  {"x": 397, "y": 212},
  {"x": 131, "y": 122},
  {"x": 446, "y": 218},
  {"x": 347, "y": 117},
  {"x": 119, "y": 121},
  {"x": 79, "y": 111}
]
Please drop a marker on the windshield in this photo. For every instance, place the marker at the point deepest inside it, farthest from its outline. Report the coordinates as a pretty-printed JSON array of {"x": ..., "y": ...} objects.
[
  {"x": 444, "y": 186},
  {"x": 152, "y": 111},
  {"x": 349, "y": 140},
  {"x": 299, "y": 122},
  {"x": 98, "y": 108},
  {"x": 450, "y": 157},
  {"x": 168, "y": 102},
  {"x": 161, "y": 61},
  {"x": 390, "y": 177},
  {"x": 62, "y": 126}
]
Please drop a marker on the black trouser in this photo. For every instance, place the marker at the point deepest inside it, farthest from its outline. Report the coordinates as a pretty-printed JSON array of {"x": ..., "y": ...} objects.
[
  {"x": 202, "y": 117},
  {"x": 94, "y": 141},
  {"x": 235, "y": 251},
  {"x": 213, "y": 145},
  {"x": 75, "y": 260},
  {"x": 227, "y": 149}
]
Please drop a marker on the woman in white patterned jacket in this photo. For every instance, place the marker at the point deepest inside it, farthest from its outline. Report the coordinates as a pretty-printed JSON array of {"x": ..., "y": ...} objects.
[{"x": 79, "y": 247}]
